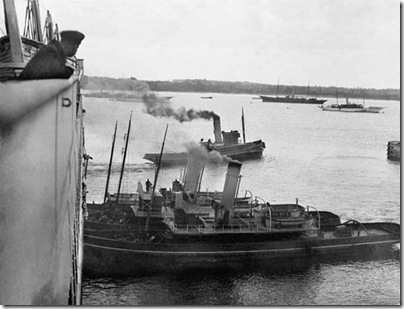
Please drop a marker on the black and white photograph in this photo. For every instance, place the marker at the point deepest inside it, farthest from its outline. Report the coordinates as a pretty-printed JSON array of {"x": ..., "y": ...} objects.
[{"x": 200, "y": 153}]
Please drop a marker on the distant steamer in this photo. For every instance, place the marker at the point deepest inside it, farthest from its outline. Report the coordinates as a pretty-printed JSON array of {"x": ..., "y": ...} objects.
[
  {"x": 291, "y": 99},
  {"x": 227, "y": 146}
]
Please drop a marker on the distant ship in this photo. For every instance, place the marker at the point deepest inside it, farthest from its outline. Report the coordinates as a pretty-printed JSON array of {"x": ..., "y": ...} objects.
[
  {"x": 350, "y": 107},
  {"x": 41, "y": 174},
  {"x": 291, "y": 99},
  {"x": 228, "y": 145}
]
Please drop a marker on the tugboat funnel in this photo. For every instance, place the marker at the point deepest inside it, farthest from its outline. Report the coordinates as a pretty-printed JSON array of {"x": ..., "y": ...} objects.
[
  {"x": 217, "y": 130},
  {"x": 194, "y": 172},
  {"x": 230, "y": 188}
]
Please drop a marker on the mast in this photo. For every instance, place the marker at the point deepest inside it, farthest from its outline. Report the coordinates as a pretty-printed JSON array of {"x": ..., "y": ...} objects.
[
  {"x": 124, "y": 157},
  {"x": 363, "y": 97},
  {"x": 277, "y": 88},
  {"x": 336, "y": 93},
  {"x": 110, "y": 163},
  {"x": 242, "y": 123},
  {"x": 32, "y": 28},
  {"x": 155, "y": 180},
  {"x": 308, "y": 87},
  {"x": 13, "y": 31}
]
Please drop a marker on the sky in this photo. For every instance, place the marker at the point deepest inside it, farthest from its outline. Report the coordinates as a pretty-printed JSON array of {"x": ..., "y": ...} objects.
[{"x": 343, "y": 43}]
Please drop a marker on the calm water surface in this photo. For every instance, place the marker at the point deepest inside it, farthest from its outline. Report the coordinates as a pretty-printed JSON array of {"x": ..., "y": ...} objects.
[{"x": 332, "y": 161}]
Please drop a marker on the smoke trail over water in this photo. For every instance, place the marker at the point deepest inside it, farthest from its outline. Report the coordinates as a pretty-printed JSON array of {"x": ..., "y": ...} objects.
[
  {"x": 160, "y": 107},
  {"x": 208, "y": 157}
]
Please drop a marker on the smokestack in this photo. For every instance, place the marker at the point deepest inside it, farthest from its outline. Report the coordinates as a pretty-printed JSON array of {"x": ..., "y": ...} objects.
[
  {"x": 217, "y": 130},
  {"x": 230, "y": 186},
  {"x": 194, "y": 171}
]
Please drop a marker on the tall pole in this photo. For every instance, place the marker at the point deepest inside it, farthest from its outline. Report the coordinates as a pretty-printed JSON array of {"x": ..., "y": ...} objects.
[
  {"x": 336, "y": 93},
  {"x": 110, "y": 163},
  {"x": 363, "y": 97},
  {"x": 37, "y": 21},
  {"x": 13, "y": 31},
  {"x": 124, "y": 158},
  {"x": 277, "y": 88},
  {"x": 155, "y": 179},
  {"x": 242, "y": 123},
  {"x": 308, "y": 87}
]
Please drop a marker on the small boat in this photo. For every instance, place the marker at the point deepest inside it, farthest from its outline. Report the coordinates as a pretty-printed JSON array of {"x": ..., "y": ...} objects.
[
  {"x": 226, "y": 143},
  {"x": 231, "y": 233},
  {"x": 207, "y": 97}
]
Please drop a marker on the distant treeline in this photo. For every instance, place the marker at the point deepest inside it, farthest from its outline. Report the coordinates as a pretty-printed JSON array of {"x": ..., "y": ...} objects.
[
  {"x": 211, "y": 86},
  {"x": 107, "y": 83}
]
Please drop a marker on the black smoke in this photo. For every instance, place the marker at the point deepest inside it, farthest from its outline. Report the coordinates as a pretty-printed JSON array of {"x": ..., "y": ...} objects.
[{"x": 160, "y": 107}]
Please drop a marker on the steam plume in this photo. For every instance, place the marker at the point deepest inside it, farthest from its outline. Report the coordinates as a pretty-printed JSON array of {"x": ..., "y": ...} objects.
[
  {"x": 160, "y": 107},
  {"x": 212, "y": 157}
]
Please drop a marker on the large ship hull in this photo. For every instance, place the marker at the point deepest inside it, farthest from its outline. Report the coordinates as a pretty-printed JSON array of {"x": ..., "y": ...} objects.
[
  {"x": 240, "y": 152},
  {"x": 41, "y": 193},
  {"x": 108, "y": 257},
  {"x": 291, "y": 100}
]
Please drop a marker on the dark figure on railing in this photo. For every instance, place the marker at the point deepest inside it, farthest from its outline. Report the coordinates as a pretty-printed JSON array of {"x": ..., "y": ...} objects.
[
  {"x": 208, "y": 145},
  {"x": 51, "y": 60},
  {"x": 148, "y": 185},
  {"x": 176, "y": 186}
]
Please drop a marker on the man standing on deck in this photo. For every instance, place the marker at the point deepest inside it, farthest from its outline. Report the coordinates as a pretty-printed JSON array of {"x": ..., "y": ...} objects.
[
  {"x": 50, "y": 61},
  {"x": 148, "y": 185}
]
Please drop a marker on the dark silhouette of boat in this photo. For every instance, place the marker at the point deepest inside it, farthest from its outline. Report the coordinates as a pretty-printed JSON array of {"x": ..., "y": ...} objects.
[
  {"x": 350, "y": 107},
  {"x": 291, "y": 99},
  {"x": 394, "y": 150},
  {"x": 226, "y": 143},
  {"x": 193, "y": 231},
  {"x": 42, "y": 160}
]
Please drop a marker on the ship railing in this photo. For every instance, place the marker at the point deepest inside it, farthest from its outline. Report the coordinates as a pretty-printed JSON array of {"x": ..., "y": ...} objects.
[
  {"x": 318, "y": 215},
  {"x": 257, "y": 199},
  {"x": 249, "y": 193},
  {"x": 217, "y": 229}
]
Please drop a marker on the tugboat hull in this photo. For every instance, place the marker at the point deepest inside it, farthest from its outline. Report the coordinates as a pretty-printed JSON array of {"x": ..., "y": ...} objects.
[{"x": 108, "y": 257}]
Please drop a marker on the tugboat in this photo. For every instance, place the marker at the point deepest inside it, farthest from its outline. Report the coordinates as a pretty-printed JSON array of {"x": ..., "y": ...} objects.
[
  {"x": 228, "y": 146},
  {"x": 41, "y": 174},
  {"x": 228, "y": 232}
]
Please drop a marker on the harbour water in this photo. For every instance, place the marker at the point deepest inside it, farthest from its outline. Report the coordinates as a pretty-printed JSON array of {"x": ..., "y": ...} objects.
[{"x": 333, "y": 161}]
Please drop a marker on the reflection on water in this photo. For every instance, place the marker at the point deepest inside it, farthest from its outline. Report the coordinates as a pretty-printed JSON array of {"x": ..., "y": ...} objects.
[{"x": 341, "y": 284}]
